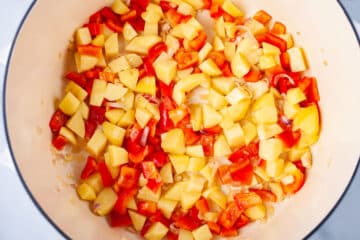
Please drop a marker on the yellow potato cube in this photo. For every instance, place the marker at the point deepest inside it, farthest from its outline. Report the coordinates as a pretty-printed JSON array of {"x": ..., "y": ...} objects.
[
  {"x": 196, "y": 183},
  {"x": 195, "y": 151},
  {"x": 196, "y": 118},
  {"x": 129, "y": 77},
  {"x": 275, "y": 168},
  {"x": 218, "y": 44},
  {"x": 211, "y": 217},
  {"x": 105, "y": 202},
  {"x": 239, "y": 65},
  {"x": 238, "y": 111},
  {"x": 166, "y": 173},
  {"x": 179, "y": 162},
  {"x": 270, "y": 49},
  {"x": 113, "y": 133},
  {"x": 156, "y": 232},
  {"x": 173, "y": 141},
  {"x": 132, "y": 204},
  {"x": 266, "y": 131},
  {"x": 137, "y": 220},
  {"x": 218, "y": 197},
  {"x": 295, "y": 96},
  {"x": 142, "y": 44},
  {"x": 216, "y": 100},
  {"x": 288, "y": 38},
  {"x": 191, "y": 28},
  {"x": 227, "y": 122},
  {"x": 270, "y": 149},
  {"x": 129, "y": 32},
  {"x": 223, "y": 84},
  {"x": 208, "y": 172},
  {"x": 202, "y": 233},
  {"x": 147, "y": 194},
  {"x": 250, "y": 132},
  {"x": 210, "y": 68},
  {"x": 297, "y": 59},
  {"x": 95, "y": 182},
  {"x": 192, "y": 81},
  {"x": 117, "y": 156},
  {"x": 76, "y": 124},
  {"x": 237, "y": 94},
  {"x": 114, "y": 92},
  {"x": 175, "y": 191},
  {"x": 86, "y": 192},
  {"x": 69, "y": 104},
  {"x": 114, "y": 115},
  {"x": 147, "y": 85},
  {"x": 153, "y": 13},
  {"x": 75, "y": 89},
  {"x": 167, "y": 206},
  {"x": 229, "y": 50},
  {"x": 188, "y": 199},
  {"x": 204, "y": 51},
  {"x": 221, "y": 147},
  {"x": 256, "y": 212},
  {"x": 111, "y": 45},
  {"x": 290, "y": 110},
  {"x": 235, "y": 136},
  {"x": 166, "y": 70},
  {"x": 185, "y": 235},
  {"x": 196, "y": 164},
  {"x": 119, "y": 64},
  {"x": 127, "y": 119},
  {"x": 84, "y": 109},
  {"x": 83, "y": 36},
  {"x": 99, "y": 40},
  {"x": 69, "y": 135},
  {"x": 134, "y": 60},
  {"x": 172, "y": 44},
  {"x": 220, "y": 27},
  {"x": 97, "y": 143},
  {"x": 119, "y": 7},
  {"x": 229, "y": 7},
  {"x": 142, "y": 117},
  {"x": 307, "y": 119},
  {"x": 151, "y": 28},
  {"x": 256, "y": 27},
  {"x": 210, "y": 116},
  {"x": 267, "y": 62},
  {"x": 98, "y": 92},
  {"x": 114, "y": 171},
  {"x": 186, "y": 9}
]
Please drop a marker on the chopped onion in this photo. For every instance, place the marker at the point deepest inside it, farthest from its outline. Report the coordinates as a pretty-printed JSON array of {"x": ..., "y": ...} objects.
[
  {"x": 247, "y": 31},
  {"x": 115, "y": 105},
  {"x": 222, "y": 161},
  {"x": 144, "y": 136},
  {"x": 283, "y": 75},
  {"x": 199, "y": 95}
]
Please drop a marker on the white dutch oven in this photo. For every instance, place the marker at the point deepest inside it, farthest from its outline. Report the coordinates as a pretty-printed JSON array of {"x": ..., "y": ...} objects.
[{"x": 34, "y": 80}]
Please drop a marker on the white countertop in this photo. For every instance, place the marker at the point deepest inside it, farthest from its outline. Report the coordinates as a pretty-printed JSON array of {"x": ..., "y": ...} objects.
[{"x": 20, "y": 219}]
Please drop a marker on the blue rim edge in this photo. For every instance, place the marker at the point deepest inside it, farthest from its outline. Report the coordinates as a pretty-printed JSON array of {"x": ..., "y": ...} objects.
[{"x": 27, "y": 188}]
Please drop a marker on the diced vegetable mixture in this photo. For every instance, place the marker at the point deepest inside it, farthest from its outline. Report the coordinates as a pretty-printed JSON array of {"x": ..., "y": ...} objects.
[{"x": 188, "y": 137}]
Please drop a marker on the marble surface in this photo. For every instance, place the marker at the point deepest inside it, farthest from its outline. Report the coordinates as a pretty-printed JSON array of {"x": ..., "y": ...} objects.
[{"x": 20, "y": 219}]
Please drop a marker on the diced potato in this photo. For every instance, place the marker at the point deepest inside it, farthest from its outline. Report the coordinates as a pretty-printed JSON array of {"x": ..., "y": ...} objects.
[
  {"x": 69, "y": 135},
  {"x": 69, "y": 104},
  {"x": 188, "y": 199},
  {"x": 297, "y": 59},
  {"x": 238, "y": 111},
  {"x": 191, "y": 28},
  {"x": 129, "y": 77},
  {"x": 195, "y": 151},
  {"x": 153, "y": 13},
  {"x": 267, "y": 62},
  {"x": 270, "y": 149},
  {"x": 210, "y": 68},
  {"x": 197, "y": 4},
  {"x": 132, "y": 204},
  {"x": 295, "y": 96},
  {"x": 129, "y": 32},
  {"x": 86, "y": 192},
  {"x": 96, "y": 143},
  {"x": 216, "y": 100},
  {"x": 266, "y": 131},
  {"x": 179, "y": 162},
  {"x": 137, "y": 220},
  {"x": 185, "y": 235},
  {"x": 101, "y": 61},
  {"x": 230, "y": 50},
  {"x": 237, "y": 94},
  {"x": 114, "y": 171},
  {"x": 227, "y": 122},
  {"x": 229, "y": 7},
  {"x": 113, "y": 133},
  {"x": 218, "y": 197},
  {"x": 119, "y": 64},
  {"x": 142, "y": 44},
  {"x": 256, "y": 27},
  {"x": 186, "y": 9},
  {"x": 175, "y": 191},
  {"x": 76, "y": 124},
  {"x": 105, "y": 201},
  {"x": 114, "y": 115},
  {"x": 196, "y": 183},
  {"x": 95, "y": 182},
  {"x": 221, "y": 147},
  {"x": 230, "y": 30},
  {"x": 256, "y": 212},
  {"x": 218, "y": 44},
  {"x": 142, "y": 181},
  {"x": 270, "y": 49},
  {"x": 166, "y": 173},
  {"x": 223, "y": 84},
  {"x": 307, "y": 140},
  {"x": 290, "y": 110},
  {"x": 288, "y": 38},
  {"x": 84, "y": 109},
  {"x": 202, "y": 233},
  {"x": 208, "y": 172},
  {"x": 196, "y": 164},
  {"x": 264, "y": 109},
  {"x": 306, "y": 159},
  {"x": 98, "y": 92},
  {"x": 119, "y": 7},
  {"x": 107, "y": 31},
  {"x": 211, "y": 216},
  {"x": 307, "y": 119},
  {"x": 196, "y": 117},
  {"x": 112, "y": 45},
  {"x": 275, "y": 168},
  {"x": 220, "y": 27},
  {"x": 204, "y": 51},
  {"x": 99, "y": 40},
  {"x": 235, "y": 136},
  {"x": 172, "y": 44},
  {"x": 147, "y": 194},
  {"x": 75, "y": 89},
  {"x": 173, "y": 141},
  {"x": 156, "y": 232},
  {"x": 117, "y": 156},
  {"x": 127, "y": 119},
  {"x": 134, "y": 60},
  {"x": 142, "y": 117},
  {"x": 114, "y": 92},
  {"x": 166, "y": 70},
  {"x": 146, "y": 85},
  {"x": 167, "y": 206},
  {"x": 210, "y": 116},
  {"x": 151, "y": 28},
  {"x": 250, "y": 132},
  {"x": 177, "y": 31},
  {"x": 83, "y": 36}
]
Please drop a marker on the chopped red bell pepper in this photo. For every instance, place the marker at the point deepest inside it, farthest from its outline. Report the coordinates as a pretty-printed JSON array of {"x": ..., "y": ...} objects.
[
  {"x": 89, "y": 50},
  {"x": 124, "y": 197},
  {"x": 218, "y": 57},
  {"x": 57, "y": 121},
  {"x": 92, "y": 73},
  {"x": 165, "y": 5},
  {"x": 313, "y": 91},
  {"x": 227, "y": 17},
  {"x": 138, "y": 24},
  {"x": 253, "y": 76},
  {"x": 190, "y": 221},
  {"x": 224, "y": 174},
  {"x": 242, "y": 174},
  {"x": 129, "y": 177},
  {"x": 114, "y": 25},
  {"x": 265, "y": 195},
  {"x": 207, "y": 4},
  {"x": 129, "y": 16},
  {"x": 107, "y": 13},
  {"x": 149, "y": 170},
  {"x": 166, "y": 90},
  {"x": 173, "y": 17},
  {"x": 135, "y": 133},
  {"x": 214, "y": 227},
  {"x": 89, "y": 85},
  {"x": 142, "y": 4},
  {"x": 207, "y": 142},
  {"x": 186, "y": 59},
  {"x": 276, "y": 41},
  {"x": 290, "y": 138},
  {"x": 165, "y": 122},
  {"x": 246, "y": 200},
  {"x": 300, "y": 166},
  {"x": 148, "y": 67},
  {"x": 137, "y": 157},
  {"x": 119, "y": 220},
  {"x": 229, "y": 232},
  {"x": 285, "y": 61},
  {"x": 95, "y": 18},
  {"x": 214, "y": 130},
  {"x": 156, "y": 50},
  {"x": 160, "y": 158},
  {"x": 105, "y": 174},
  {"x": 107, "y": 76},
  {"x": 191, "y": 137},
  {"x": 154, "y": 184},
  {"x": 278, "y": 28},
  {"x": 226, "y": 70},
  {"x": 242, "y": 221},
  {"x": 77, "y": 78},
  {"x": 97, "y": 114},
  {"x": 89, "y": 168},
  {"x": 299, "y": 180},
  {"x": 202, "y": 205},
  {"x": 215, "y": 9},
  {"x": 147, "y": 208},
  {"x": 94, "y": 28},
  {"x": 172, "y": 236},
  {"x": 90, "y": 128},
  {"x": 198, "y": 42},
  {"x": 230, "y": 215},
  {"x": 262, "y": 17},
  {"x": 249, "y": 152},
  {"x": 59, "y": 142}
]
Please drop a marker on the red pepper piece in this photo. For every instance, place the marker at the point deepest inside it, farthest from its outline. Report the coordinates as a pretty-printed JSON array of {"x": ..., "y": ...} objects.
[
  {"x": 135, "y": 133},
  {"x": 276, "y": 41},
  {"x": 154, "y": 184},
  {"x": 160, "y": 158},
  {"x": 90, "y": 50},
  {"x": 93, "y": 73},
  {"x": 149, "y": 170},
  {"x": 218, "y": 57},
  {"x": 202, "y": 205},
  {"x": 265, "y": 195},
  {"x": 215, "y": 10},
  {"x": 156, "y": 50},
  {"x": 57, "y": 121},
  {"x": 207, "y": 4},
  {"x": 224, "y": 174},
  {"x": 198, "y": 42},
  {"x": 190, "y": 221},
  {"x": 172, "y": 236},
  {"x": 142, "y": 4},
  {"x": 285, "y": 61},
  {"x": 300, "y": 166},
  {"x": 138, "y": 24},
  {"x": 186, "y": 59},
  {"x": 214, "y": 130},
  {"x": 89, "y": 85},
  {"x": 166, "y": 90},
  {"x": 207, "y": 142},
  {"x": 107, "y": 13},
  {"x": 77, "y": 78},
  {"x": 105, "y": 174},
  {"x": 90, "y": 128},
  {"x": 137, "y": 157},
  {"x": 129, "y": 16},
  {"x": 313, "y": 92},
  {"x": 278, "y": 28},
  {"x": 124, "y": 197},
  {"x": 148, "y": 67},
  {"x": 231, "y": 232},
  {"x": 89, "y": 168},
  {"x": 129, "y": 177},
  {"x": 242, "y": 174},
  {"x": 250, "y": 152},
  {"x": 191, "y": 137},
  {"x": 246, "y": 200},
  {"x": 94, "y": 28},
  {"x": 299, "y": 180},
  {"x": 95, "y": 18},
  {"x": 242, "y": 221},
  {"x": 120, "y": 220},
  {"x": 226, "y": 70},
  {"x": 97, "y": 114},
  {"x": 263, "y": 17},
  {"x": 290, "y": 138},
  {"x": 165, "y": 122},
  {"x": 114, "y": 25},
  {"x": 173, "y": 17},
  {"x": 59, "y": 142},
  {"x": 159, "y": 217},
  {"x": 165, "y": 5},
  {"x": 253, "y": 76},
  {"x": 214, "y": 228},
  {"x": 147, "y": 208}
]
